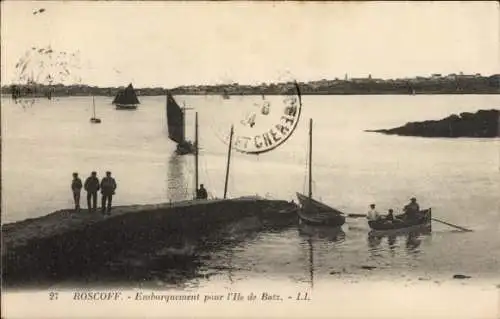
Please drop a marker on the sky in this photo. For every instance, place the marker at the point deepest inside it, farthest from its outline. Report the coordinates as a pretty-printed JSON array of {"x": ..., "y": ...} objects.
[{"x": 167, "y": 44}]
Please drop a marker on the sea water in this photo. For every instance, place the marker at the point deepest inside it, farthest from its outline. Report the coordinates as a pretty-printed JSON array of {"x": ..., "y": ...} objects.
[{"x": 44, "y": 143}]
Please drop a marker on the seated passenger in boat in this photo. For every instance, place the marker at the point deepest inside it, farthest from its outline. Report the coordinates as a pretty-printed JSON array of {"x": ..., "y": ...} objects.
[
  {"x": 372, "y": 214},
  {"x": 201, "y": 193},
  {"x": 390, "y": 215}
]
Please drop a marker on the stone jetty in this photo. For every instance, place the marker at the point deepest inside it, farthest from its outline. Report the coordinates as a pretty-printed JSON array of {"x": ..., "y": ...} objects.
[{"x": 40, "y": 251}]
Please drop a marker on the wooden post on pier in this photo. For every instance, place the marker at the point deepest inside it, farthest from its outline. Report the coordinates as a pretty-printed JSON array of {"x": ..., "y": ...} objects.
[{"x": 228, "y": 160}]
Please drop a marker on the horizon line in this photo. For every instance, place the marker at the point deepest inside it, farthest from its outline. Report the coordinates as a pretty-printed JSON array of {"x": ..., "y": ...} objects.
[{"x": 436, "y": 75}]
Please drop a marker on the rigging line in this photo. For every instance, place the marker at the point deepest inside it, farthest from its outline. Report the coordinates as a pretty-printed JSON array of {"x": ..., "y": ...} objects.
[
  {"x": 305, "y": 170},
  {"x": 204, "y": 169},
  {"x": 209, "y": 180}
]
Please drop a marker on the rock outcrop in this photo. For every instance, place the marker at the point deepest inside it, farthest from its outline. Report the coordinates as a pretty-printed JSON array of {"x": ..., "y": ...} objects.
[{"x": 482, "y": 124}]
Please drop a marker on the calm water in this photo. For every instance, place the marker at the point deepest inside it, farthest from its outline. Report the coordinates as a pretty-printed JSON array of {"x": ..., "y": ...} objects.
[{"x": 43, "y": 144}]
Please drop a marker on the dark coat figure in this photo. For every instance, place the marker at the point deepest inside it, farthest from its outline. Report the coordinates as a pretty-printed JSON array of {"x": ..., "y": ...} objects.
[
  {"x": 201, "y": 193},
  {"x": 108, "y": 187},
  {"x": 92, "y": 186},
  {"x": 412, "y": 209},
  {"x": 76, "y": 188}
]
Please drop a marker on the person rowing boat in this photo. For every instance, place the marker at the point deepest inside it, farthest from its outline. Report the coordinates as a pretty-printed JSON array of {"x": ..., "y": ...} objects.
[{"x": 411, "y": 210}]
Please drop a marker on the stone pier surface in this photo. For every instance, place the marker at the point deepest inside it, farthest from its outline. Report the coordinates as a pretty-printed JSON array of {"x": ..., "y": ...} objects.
[{"x": 66, "y": 243}]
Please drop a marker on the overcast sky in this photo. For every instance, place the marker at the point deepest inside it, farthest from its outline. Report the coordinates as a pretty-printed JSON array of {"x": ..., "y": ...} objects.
[{"x": 169, "y": 44}]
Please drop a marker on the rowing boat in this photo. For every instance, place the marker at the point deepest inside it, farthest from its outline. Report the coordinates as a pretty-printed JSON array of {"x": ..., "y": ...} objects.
[{"x": 423, "y": 223}]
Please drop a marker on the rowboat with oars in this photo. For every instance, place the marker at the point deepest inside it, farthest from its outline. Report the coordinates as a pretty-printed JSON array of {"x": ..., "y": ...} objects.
[{"x": 422, "y": 222}]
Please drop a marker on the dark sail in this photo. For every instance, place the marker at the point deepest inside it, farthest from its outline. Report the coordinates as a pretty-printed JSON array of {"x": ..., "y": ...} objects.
[
  {"x": 175, "y": 120},
  {"x": 126, "y": 97},
  {"x": 116, "y": 97}
]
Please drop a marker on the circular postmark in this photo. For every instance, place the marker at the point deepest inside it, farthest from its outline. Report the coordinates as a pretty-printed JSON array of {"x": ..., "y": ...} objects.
[{"x": 265, "y": 122}]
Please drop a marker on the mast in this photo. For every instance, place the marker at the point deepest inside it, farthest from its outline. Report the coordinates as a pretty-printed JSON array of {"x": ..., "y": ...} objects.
[
  {"x": 228, "y": 160},
  {"x": 196, "y": 151},
  {"x": 184, "y": 124},
  {"x": 93, "y": 104},
  {"x": 310, "y": 158}
]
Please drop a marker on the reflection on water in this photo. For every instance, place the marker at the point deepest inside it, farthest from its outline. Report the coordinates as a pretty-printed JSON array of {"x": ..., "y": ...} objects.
[
  {"x": 250, "y": 248},
  {"x": 312, "y": 234},
  {"x": 451, "y": 178},
  {"x": 326, "y": 233},
  {"x": 176, "y": 180},
  {"x": 391, "y": 241},
  {"x": 412, "y": 242}
]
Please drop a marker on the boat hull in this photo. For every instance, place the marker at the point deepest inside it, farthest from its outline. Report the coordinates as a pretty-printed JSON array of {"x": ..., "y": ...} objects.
[
  {"x": 423, "y": 224},
  {"x": 126, "y": 106},
  {"x": 313, "y": 212},
  {"x": 185, "y": 148}
]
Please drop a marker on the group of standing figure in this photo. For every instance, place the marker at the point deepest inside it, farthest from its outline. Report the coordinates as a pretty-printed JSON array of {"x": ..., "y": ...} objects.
[
  {"x": 410, "y": 213},
  {"x": 92, "y": 185}
]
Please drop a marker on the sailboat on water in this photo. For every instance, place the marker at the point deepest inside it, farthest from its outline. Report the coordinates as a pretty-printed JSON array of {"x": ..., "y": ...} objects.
[
  {"x": 126, "y": 99},
  {"x": 176, "y": 127},
  {"x": 314, "y": 212},
  {"x": 94, "y": 119}
]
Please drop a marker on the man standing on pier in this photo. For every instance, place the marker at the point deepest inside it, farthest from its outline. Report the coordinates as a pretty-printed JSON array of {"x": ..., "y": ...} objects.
[
  {"x": 108, "y": 187},
  {"x": 76, "y": 187},
  {"x": 92, "y": 186}
]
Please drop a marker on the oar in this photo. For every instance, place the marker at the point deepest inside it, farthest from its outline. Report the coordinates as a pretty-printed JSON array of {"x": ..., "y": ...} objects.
[
  {"x": 458, "y": 227},
  {"x": 356, "y": 215}
]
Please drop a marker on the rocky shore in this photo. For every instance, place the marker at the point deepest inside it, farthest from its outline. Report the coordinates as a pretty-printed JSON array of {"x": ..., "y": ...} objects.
[
  {"x": 482, "y": 124},
  {"x": 65, "y": 245}
]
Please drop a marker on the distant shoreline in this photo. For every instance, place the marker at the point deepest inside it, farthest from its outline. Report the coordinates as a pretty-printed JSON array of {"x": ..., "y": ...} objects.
[
  {"x": 435, "y": 85},
  {"x": 38, "y": 96}
]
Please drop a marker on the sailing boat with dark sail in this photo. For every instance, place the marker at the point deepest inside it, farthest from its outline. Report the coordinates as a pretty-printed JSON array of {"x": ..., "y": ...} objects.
[
  {"x": 314, "y": 212},
  {"x": 126, "y": 99},
  {"x": 176, "y": 127}
]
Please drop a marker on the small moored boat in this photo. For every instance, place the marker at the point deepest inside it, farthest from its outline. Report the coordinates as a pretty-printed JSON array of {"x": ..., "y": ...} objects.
[
  {"x": 314, "y": 212},
  {"x": 94, "y": 119}
]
